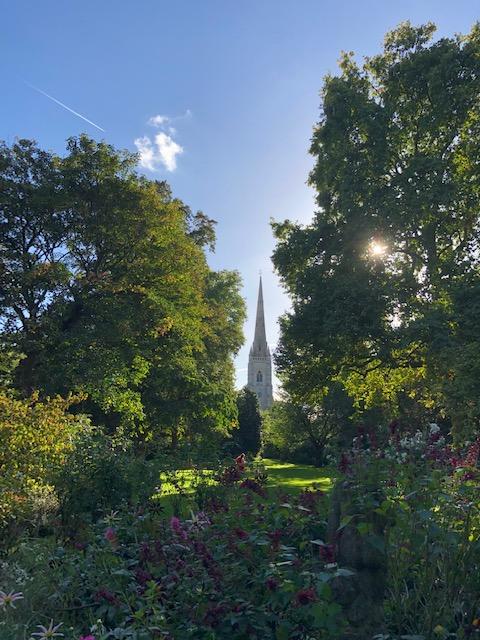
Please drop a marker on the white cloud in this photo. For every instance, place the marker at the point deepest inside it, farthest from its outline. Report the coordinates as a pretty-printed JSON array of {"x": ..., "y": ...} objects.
[
  {"x": 162, "y": 151},
  {"x": 146, "y": 152},
  {"x": 158, "y": 120}
]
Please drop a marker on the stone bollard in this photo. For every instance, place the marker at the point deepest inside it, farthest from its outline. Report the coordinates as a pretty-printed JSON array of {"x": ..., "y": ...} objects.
[{"x": 357, "y": 530}]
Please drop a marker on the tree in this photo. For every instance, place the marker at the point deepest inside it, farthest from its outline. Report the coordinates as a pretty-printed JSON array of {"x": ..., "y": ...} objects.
[
  {"x": 249, "y": 434},
  {"x": 302, "y": 433},
  {"x": 106, "y": 290},
  {"x": 373, "y": 278}
]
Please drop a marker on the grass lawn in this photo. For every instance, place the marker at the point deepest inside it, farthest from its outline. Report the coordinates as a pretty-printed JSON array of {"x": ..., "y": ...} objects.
[
  {"x": 284, "y": 476},
  {"x": 293, "y": 478}
]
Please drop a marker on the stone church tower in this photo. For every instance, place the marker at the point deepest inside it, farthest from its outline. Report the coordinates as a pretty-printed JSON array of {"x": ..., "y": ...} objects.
[{"x": 260, "y": 360}]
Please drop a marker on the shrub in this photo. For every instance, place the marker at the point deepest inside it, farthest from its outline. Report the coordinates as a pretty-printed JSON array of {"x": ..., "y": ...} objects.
[
  {"x": 250, "y": 569},
  {"x": 428, "y": 499},
  {"x": 36, "y": 438},
  {"x": 100, "y": 476}
]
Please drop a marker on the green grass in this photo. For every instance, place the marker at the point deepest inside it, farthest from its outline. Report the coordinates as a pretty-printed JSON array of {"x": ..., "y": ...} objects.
[
  {"x": 284, "y": 476},
  {"x": 294, "y": 478}
]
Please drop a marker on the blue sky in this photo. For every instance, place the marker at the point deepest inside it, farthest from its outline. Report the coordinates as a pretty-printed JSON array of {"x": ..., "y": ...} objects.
[{"x": 238, "y": 82}]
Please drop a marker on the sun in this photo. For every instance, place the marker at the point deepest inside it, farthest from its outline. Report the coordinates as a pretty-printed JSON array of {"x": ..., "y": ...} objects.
[{"x": 377, "y": 249}]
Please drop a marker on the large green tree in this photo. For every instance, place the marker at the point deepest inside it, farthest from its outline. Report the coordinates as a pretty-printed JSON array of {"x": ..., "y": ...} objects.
[
  {"x": 376, "y": 278},
  {"x": 105, "y": 289}
]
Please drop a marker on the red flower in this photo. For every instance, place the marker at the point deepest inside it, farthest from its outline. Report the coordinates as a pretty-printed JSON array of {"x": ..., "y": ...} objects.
[
  {"x": 327, "y": 553},
  {"x": 240, "y": 533},
  {"x": 271, "y": 584},
  {"x": 105, "y": 594},
  {"x": 240, "y": 462},
  {"x": 306, "y": 596}
]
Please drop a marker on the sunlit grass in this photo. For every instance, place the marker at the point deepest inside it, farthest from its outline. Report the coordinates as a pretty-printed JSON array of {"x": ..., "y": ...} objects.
[
  {"x": 285, "y": 476},
  {"x": 297, "y": 477}
]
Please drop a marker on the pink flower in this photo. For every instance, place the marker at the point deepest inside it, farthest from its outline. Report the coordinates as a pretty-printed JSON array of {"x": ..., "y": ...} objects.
[
  {"x": 89, "y": 637},
  {"x": 110, "y": 534}
]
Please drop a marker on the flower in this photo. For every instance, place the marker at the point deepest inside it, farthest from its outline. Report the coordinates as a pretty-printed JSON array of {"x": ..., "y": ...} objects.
[
  {"x": 51, "y": 631},
  {"x": 89, "y": 637},
  {"x": 271, "y": 583},
  {"x": 105, "y": 594},
  {"x": 9, "y": 599},
  {"x": 327, "y": 553},
  {"x": 240, "y": 533},
  {"x": 176, "y": 527},
  {"x": 306, "y": 596},
  {"x": 240, "y": 462},
  {"x": 110, "y": 534}
]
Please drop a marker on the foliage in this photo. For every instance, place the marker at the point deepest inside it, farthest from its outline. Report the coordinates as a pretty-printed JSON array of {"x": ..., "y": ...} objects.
[
  {"x": 248, "y": 436},
  {"x": 36, "y": 438},
  {"x": 430, "y": 504},
  {"x": 98, "y": 477},
  {"x": 106, "y": 291},
  {"x": 377, "y": 278},
  {"x": 305, "y": 433},
  {"x": 242, "y": 567}
]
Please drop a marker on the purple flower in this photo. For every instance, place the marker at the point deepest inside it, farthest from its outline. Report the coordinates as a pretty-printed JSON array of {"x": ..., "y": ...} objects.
[{"x": 177, "y": 528}]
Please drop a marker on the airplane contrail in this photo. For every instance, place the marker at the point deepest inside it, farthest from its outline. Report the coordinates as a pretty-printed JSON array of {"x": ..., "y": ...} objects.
[{"x": 44, "y": 93}]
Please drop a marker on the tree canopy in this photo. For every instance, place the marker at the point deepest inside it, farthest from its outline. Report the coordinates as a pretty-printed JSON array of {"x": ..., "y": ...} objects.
[
  {"x": 385, "y": 276},
  {"x": 106, "y": 290}
]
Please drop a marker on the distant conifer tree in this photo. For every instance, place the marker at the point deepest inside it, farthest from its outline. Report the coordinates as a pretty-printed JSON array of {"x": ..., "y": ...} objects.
[{"x": 249, "y": 422}]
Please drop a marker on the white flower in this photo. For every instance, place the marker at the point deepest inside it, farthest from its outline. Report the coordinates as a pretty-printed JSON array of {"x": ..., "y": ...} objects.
[
  {"x": 51, "y": 631},
  {"x": 9, "y": 599},
  {"x": 434, "y": 428}
]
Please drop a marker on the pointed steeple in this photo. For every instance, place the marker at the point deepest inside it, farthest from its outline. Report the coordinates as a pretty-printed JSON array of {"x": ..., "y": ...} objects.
[
  {"x": 260, "y": 360},
  {"x": 260, "y": 346}
]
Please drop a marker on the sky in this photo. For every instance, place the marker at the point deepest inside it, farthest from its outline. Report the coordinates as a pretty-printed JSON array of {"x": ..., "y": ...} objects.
[{"x": 219, "y": 98}]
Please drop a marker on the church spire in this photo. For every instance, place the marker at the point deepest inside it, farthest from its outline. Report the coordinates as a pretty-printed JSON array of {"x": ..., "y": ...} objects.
[
  {"x": 260, "y": 360},
  {"x": 260, "y": 345}
]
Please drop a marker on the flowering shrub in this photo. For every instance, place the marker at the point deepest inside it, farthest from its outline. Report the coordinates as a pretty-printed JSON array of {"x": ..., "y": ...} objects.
[
  {"x": 430, "y": 501},
  {"x": 257, "y": 569}
]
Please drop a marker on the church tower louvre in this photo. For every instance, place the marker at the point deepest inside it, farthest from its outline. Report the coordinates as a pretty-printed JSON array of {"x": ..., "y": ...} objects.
[{"x": 260, "y": 359}]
